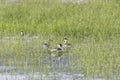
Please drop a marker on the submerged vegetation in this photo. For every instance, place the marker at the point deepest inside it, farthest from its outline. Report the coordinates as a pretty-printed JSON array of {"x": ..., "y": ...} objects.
[{"x": 93, "y": 27}]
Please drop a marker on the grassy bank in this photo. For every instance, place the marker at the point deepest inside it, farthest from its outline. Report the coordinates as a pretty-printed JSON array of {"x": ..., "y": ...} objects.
[
  {"x": 93, "y": 28},
  {"x": 92, "y": 18}
]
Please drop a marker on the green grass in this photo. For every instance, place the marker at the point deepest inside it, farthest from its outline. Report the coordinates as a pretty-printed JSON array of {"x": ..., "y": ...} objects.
[
  {"x": 93, "y": 28},
  {"x": 90, "y": 18}
]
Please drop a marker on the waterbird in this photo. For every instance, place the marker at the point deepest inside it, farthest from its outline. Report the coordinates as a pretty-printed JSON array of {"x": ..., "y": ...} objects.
[
  {"x": 66, "y": 44},
  {"x": 46, "y": 45},
  {"x": 58, "y": 50},
  {"x": 22, "y": 33}
]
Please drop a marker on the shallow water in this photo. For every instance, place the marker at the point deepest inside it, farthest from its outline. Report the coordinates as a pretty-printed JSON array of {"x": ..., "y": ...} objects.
[
  {"x": 59, "y": 69},
  {"x": 37, "y": 76},
  {"x": 56, "y": 65}
]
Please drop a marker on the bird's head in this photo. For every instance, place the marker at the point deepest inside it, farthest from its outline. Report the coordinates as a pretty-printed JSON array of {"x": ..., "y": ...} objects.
[{"x": 59, "y": 45}]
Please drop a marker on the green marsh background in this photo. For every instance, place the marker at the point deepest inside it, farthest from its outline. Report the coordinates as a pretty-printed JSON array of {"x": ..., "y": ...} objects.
[{"x": 92, "y": 26}]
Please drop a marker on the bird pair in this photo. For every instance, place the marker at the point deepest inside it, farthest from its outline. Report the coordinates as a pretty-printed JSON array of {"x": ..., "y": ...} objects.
[{"x": 59, "y": 49}]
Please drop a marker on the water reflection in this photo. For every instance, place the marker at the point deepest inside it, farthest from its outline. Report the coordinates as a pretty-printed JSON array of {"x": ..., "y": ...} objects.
[
  {"x": 60, "y": 66},
  {"x": 60, "y": 69},
  {"x": 37, "y": 76},
  {"x": 59, "y": 63}
]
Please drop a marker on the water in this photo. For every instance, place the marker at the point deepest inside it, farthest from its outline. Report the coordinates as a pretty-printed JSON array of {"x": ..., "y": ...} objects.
[
  {"x": 37, "y": 76},
  {"x": 55, "y": 64},
  {"x": 59, "y": 69}
]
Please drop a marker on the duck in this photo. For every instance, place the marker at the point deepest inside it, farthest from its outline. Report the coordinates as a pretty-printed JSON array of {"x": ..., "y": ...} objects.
[
  {"x": 58, "y": 50},
  {"x": 66, "y": 45},
  {"x": 45, "y": 45},
  {"x": 22, "y": 33}
]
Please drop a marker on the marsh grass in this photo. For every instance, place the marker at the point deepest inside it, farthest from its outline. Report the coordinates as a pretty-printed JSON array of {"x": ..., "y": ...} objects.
[
  {"x": 92, "y": 27},
  {"x": 89, "y": 57},
  {"x": 92, "y": 18}
]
